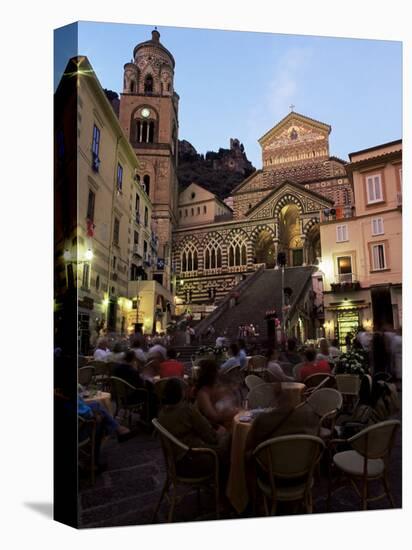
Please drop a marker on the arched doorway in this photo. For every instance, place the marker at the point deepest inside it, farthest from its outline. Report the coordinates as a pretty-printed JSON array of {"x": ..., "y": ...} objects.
[
  {"x": 265, "y": 251},
  {"x": 290, "y": 235}
]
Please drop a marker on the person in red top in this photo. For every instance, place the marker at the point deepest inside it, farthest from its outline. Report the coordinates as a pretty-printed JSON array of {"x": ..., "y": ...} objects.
[
  {"x": 171, "y": 367},
  {"x": 312, "y": 366}
]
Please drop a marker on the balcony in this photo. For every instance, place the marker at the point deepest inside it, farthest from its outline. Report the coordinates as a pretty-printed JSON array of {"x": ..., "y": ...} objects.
[
  {"x": 345, "y": 282},
  {"x": 337, "y": 213}
]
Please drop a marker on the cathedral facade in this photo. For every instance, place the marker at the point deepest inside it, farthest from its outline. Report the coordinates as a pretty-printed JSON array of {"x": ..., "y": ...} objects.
[{"x": 278, "y": 208}]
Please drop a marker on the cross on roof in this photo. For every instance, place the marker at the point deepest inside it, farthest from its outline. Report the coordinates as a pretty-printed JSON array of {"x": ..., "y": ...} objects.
[{"x": 291, "y": 107}]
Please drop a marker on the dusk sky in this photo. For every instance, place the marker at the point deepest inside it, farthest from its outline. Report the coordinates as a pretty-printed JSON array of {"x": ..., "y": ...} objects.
[{"x": 240, "y": 84}]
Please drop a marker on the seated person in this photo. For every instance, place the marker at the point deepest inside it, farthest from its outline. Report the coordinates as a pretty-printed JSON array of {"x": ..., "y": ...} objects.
[
  {"x": 242, "y": 354},
  {"x": 234, "y": 359},
  {"x": 334, "y": 350},
  {"x": 102, "y": 352},
  {"x": 186, "y": 423},
  {"x": 291, "y": 355},
  {"x": 157, "y": 351},
  {"x": 117, "y": 354},
  {"x": 128, "y": 371},
  {"x": 212, "y": 400},
  {"x": 324, "y": 353},
  {"x": 284, "y": 419},
  {"x": 274, "y": 368},
  {"x": 312, "y": 366},
  {"x": 171, "y": 367},
  {"x": 137, "y": 347}
]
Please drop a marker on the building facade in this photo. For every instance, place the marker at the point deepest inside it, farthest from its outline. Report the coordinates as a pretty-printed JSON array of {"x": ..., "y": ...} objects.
[
  {"x": 362, "y": 255},
  {"x": 276, "y": 209},
  {"x": 109, "y": 255}
]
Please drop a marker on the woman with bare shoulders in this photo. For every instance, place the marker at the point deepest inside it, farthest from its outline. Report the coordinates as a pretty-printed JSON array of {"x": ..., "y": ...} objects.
[{"x": 214, "y": 401}]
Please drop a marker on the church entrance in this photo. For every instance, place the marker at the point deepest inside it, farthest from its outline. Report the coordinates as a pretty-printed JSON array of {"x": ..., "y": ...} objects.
[
  {"x": 265, "y": 249},
  {"x": 290, "y": 235}
]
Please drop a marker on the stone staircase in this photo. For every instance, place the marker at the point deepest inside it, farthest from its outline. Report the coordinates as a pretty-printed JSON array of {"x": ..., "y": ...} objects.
[{"x": 263, "y": 294}]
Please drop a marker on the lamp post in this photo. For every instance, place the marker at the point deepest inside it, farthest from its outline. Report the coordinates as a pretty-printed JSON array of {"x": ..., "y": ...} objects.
[{"x": 281, "y": 261}]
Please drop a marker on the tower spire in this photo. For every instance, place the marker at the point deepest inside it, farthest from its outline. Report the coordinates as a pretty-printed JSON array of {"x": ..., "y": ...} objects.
[{"x": 155, "y": 35}]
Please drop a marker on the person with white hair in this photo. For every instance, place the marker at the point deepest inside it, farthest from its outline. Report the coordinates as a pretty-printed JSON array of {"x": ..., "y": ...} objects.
[{"x": 102, "y": 352}]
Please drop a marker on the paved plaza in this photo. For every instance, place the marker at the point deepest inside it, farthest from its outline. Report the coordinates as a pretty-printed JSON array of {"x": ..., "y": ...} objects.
[{"x": 127, "y": 491}]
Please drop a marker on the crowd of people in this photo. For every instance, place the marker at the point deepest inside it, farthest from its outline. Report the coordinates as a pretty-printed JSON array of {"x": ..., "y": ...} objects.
[{"x": 199, "y": 410}]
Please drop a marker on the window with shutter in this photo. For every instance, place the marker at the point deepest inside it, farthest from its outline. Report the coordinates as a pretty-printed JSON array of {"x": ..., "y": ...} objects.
[
  {"x": 341, "y": 233},
  {"x": 374, "y": 188},
  {"x": 377, "y": 226},
  {"x": 378, "y": 256}
]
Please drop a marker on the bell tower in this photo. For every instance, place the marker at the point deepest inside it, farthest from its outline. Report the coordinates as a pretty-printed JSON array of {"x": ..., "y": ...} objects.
[{"x": 149, "y": 117}]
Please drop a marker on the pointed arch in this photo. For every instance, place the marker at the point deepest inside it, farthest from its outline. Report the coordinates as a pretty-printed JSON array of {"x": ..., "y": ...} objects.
[{"x": 237, "y": 249}]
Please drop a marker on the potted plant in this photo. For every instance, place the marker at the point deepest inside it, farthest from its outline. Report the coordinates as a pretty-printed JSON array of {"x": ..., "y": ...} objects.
[{"x": 350, "y": 368}]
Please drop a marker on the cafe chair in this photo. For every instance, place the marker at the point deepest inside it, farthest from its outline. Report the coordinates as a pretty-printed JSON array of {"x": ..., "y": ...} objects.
[
  {"x": 284, "y": 469},
  {"x": 321, "y": 379},
  {"x": 262, "y": 396},
  {"x": 129, "y": 399},
  {"x": 175, "y": 477},
  {"x": 86, "y": 443},
  {"x": 367, "y": 460},
  {"x": 159, "y": 386},
  {"x": 325, "y": 402},
  {"x": 257, "y": 363},
  {"x": 101, "y": 374},
  {"x": 252, "y": 381},
  {"x": 85, "y": 375}
]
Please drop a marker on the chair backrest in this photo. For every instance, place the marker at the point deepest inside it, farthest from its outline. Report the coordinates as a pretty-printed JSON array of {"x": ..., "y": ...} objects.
[
  {"x": 160, "y": 384},
  {"x": 81, "y": 361},
  {"x": 296, "y": 370},
  {"x": 348, "y": 384},
  {"x": 257, "y": 362},
  {"x": 85, "y": 375},
  {"x": 320, "y": 378},
  {"x": 289, "y": 456},
  {"x": 262, "y": 395},
  {"x": 100, "y": 368},
  {"x": 120, "y": 389},
  {"x": 252, "y": 381},
  {"x": 325, "y": 400},
  {"x": 170, "y": 446},
  {"x": 377, "y": 440}
]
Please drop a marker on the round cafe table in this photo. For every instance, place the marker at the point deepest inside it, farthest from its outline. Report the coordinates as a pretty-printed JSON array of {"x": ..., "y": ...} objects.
[
  {"x": 102, "y": 397},
  {"x": 236, "y": 490}
]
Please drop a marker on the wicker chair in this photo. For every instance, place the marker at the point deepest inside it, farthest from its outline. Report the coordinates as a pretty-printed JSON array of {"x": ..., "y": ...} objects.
[
  {"x": 252, "y": 381},
  {"x": 129, "y": 399},
  {"x": 257, "y": 363},
  {"x": 85, "y": 375},
  {"x": 159, "y": 386},
  {"x": 320, "y": 378},
  {"x": 101, "y": 375},
  {"x": 86, "y": 446},
  {"x": 326, "y": 402},
  {"x": 170, "y": 445},
  {"x": 367, "y": 460},
  {"x": 287, "y": 458},
  {"x": 262, "y": 396}
]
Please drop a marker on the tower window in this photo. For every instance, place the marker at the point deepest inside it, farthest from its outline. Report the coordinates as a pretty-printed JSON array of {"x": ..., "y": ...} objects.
[
  {"x": 148, "y": 84},
  {"x": 146, "y": 216},
  {"x": 145, "y": 131},
  {"x": 146, "y": 181},
  {"x": 132, "y": 87}
]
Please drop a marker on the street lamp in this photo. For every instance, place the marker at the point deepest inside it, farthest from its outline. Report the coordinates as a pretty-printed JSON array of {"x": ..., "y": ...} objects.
[{"x": 281, "y": 261}]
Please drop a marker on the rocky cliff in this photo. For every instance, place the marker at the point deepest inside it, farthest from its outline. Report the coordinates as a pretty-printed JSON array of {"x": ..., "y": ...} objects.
[{"x": 219, "y": 172}]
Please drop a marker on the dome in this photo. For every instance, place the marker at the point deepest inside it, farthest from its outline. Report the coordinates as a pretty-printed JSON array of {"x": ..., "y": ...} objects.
[{"x": 154, "y": 43}]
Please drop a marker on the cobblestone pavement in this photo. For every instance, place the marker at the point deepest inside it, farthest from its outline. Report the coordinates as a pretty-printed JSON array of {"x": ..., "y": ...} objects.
[{"x": 127, "y": 491}]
